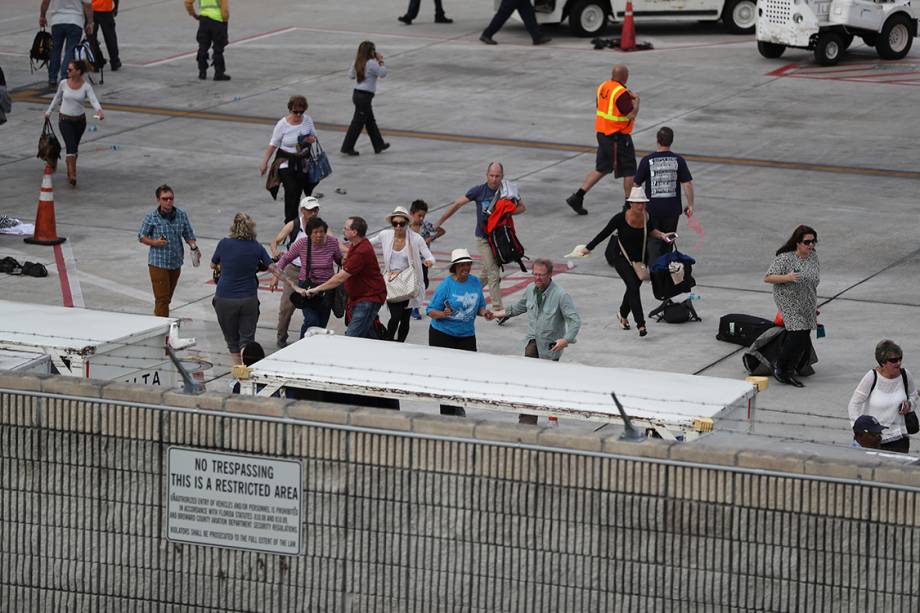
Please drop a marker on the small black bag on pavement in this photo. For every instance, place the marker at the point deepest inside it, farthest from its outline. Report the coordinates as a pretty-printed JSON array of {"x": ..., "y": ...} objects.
[{"x": 742, "y": 329}]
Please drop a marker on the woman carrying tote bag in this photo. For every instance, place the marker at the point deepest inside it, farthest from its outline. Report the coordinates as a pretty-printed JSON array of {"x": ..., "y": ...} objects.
[{"x": 403, "y": 270}]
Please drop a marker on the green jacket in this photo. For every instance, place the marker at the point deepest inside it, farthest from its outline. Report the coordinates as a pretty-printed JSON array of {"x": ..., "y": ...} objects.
[{"x": 557, "y": 318}]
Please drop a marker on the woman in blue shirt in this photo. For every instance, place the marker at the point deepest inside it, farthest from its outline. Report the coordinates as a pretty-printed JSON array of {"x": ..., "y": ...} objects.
[
  {"x": 453, "y": 310},
  {"x": 236, "y": 302}
]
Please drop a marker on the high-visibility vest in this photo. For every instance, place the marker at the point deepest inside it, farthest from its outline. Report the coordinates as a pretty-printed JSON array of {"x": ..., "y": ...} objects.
[
  {"x": 103, "y": 6},
  {"x": 210, "y": 9},
  {"x": 608, "y": 120}
]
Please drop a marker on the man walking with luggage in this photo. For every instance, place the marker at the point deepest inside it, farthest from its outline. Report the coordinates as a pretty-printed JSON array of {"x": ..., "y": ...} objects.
[
  {"x": 663, "y": 174},
  {"x": 617, "y": 108},
  {"x": 68, "y": 19},
  {"x": 552, "y": 321},
  {"x": 364, "y": 285},
  {"x": 485, "y": 195},
  {"x": 104, "y": 12},
  {"x": 213, "y": 18},
  {"x": 163, "y": 230}
]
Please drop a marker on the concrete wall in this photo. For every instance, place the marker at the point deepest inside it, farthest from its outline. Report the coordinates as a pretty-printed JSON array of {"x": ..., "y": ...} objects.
[{"x": 506, "y": 518}]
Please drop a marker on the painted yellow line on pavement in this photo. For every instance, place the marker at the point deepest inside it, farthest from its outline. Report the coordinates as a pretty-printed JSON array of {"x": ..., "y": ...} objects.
[{"x": 37, "y": 97}]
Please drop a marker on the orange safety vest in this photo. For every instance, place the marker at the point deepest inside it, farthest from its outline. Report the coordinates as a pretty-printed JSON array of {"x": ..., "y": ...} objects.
[
  {"x": 608, "y": 120},
  {"x": 103, "y": 6}
]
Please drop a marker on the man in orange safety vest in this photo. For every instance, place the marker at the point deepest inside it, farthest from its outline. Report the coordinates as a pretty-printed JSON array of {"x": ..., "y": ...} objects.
[
  {"x": 104, "y": 12},
  {"x": 617, "y": 108}
]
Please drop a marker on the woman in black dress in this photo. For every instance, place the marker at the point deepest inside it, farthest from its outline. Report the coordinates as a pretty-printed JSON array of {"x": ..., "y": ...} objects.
[{"x": 628, "y": 249}]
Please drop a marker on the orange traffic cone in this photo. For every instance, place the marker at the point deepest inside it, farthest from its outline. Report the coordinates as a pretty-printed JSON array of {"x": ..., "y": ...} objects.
[
  {"x": 45, "y": 226},
  {"x": 628, "y": 35}
]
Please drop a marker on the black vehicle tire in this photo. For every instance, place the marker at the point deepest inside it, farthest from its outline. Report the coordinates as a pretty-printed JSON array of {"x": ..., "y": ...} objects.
[
  {"x": 588, "y": 18},
  {"x": 895, "y": 39},
  {"x": 740, "y": 16},
  {"x": 829, "y": 49},
  {"x": 770, "y": 50}
]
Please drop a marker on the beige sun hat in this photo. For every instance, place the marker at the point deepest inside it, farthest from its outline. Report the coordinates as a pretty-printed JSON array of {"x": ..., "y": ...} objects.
[
  {"x": 309, "y": 203},
  {"x": 399, "y": 211},
  {"x": 459, "y": 256},
  {"x": 637, "y": 194}
]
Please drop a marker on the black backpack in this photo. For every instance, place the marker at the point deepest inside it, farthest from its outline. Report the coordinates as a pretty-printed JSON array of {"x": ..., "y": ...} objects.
[
  {"x": 676, "y": 312},
  {"x": 503, "y": 240},
  {"x": 90, "y": 52},
  {"x": 41, "y": 49},
  {"x": 742, "y": 329}
]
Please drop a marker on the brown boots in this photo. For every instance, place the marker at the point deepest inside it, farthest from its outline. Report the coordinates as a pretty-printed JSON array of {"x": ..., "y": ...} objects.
[{"x": 72, "y": 169}]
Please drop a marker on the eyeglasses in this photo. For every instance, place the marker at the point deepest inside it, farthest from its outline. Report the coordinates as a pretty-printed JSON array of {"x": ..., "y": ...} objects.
[
  {"x": 398, "y": 224},
  {"x": 811, "y": 241},
  {"x": 896, "y": 360}
]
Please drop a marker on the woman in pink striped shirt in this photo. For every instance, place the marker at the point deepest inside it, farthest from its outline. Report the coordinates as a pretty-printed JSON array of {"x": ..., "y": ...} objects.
[{"x": 318, "y": 254}]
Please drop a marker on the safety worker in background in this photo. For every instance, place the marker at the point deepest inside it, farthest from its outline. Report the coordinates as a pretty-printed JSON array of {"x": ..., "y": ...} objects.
[
  {"x": 104, "y": 13},
  {"x": 213, "y": 17},
  {"x": 617, "y": 108}
]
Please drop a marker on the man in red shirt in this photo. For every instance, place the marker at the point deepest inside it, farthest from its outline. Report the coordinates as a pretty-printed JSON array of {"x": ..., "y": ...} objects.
[
  {"x": 364, "y": 284},
  {"x": 617, "y": 108}
]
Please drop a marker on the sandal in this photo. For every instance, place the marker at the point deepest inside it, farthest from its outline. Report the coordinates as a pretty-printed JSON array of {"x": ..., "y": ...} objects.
[
  {"x": 7, "y": 264},
  {"x": 642, "y": 330},
  {"x": 624, "y": 323}
]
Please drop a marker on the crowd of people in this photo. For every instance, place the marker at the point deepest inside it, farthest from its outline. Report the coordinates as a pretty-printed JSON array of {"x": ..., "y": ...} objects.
[{"x": 318, "y": 271}]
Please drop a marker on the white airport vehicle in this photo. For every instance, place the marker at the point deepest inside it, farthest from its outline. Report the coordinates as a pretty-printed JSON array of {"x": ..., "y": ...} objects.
[
  {"x": 675, "y": 406},
  {"x": 589, "y": 17},
  {"x": 95, "y": 344},
  {"x": 827, "y": 27},
  {"x": 24, "y": 362}
]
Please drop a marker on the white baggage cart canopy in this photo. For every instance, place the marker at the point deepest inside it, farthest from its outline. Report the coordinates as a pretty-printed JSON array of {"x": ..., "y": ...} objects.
[
  {"x": 89, "y": 343},
  {"x": 670, "y": 403}
]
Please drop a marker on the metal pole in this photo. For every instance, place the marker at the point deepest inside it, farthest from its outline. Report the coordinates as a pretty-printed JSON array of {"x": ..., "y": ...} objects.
[{"x": 629, "y": 432}]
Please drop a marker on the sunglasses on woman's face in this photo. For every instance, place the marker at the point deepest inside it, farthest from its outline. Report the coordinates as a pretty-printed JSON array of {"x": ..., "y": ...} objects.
[
  {"x": 810, "y": 241},
  {"x": 399, "y": 224},
  {"x": 896, "y": 360}
]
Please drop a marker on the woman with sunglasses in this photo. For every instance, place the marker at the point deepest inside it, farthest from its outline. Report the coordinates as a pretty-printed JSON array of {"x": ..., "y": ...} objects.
[
  {"x": 401, "y": 250},
  {"x": 889, "y": 394},
  {"x": 72, "y": 118},
  {"x": 795, "y": 275},
  {"x": 290, "y": 142}
]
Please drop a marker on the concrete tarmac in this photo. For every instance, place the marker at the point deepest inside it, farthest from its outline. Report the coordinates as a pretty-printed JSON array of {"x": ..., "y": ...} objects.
[{"x": 771, "y": 144}]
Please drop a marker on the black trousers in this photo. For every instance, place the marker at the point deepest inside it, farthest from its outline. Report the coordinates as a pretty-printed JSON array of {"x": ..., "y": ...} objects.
[
  {"x": 414, "y": 5},
  {"x": 295, "y": 183},
  {"x": 72, "y": 131},
  {"x": 211, "y": 34},
  {"x": 105, "y": 21},
  {"x": 524, "y": 9},
  {"x": 398, "y": 326},
  {"x": 362, "y": 119},
  {"x": 632, "y": 300},
  {"x": 436, "y": 338},
  {"x": 796, "y": 344}
]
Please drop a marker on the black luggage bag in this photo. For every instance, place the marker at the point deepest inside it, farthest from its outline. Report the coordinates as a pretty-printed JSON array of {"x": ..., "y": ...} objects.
[{"x": 742, "y": 329}]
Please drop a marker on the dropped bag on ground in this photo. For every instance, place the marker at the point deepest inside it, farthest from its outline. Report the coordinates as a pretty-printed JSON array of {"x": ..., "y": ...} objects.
[
  {"x": 742, "y": 329},
  {"x": 760, "y": 359}
]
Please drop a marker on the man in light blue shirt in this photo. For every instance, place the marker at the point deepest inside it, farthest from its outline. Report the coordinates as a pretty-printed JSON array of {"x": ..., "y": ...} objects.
[{"x": 552, "y": 321}]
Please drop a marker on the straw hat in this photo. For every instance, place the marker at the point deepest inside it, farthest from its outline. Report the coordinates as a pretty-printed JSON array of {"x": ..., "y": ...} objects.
[
  {"x": 399, "y": 211},
  {"x": 637, "y": 194}
]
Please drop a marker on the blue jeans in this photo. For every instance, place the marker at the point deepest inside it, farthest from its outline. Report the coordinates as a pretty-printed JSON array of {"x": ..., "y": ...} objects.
[
  {"x": 363, "y": 315},
  {"x": 64, "y": 37},
  {"x": 314, "y": 317}
]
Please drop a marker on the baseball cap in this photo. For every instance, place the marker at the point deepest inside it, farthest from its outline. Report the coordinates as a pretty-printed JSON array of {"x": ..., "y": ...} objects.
[
  {"x": 867, "y": 423},
  {"x": 309, "y": 203}
]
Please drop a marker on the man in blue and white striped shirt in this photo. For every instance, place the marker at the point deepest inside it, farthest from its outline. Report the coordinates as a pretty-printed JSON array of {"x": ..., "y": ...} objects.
[{"x": 163, "y": 230}]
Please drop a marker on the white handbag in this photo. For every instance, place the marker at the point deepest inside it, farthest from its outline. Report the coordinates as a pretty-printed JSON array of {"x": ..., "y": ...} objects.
[{"x": 402, "y": 285}]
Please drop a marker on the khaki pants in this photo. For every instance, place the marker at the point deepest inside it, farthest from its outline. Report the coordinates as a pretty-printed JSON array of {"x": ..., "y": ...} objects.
[
  {"x": 164, "y": 283},
  {"x": 490, "y": 275},
  {"x": 286, "y": 308}
]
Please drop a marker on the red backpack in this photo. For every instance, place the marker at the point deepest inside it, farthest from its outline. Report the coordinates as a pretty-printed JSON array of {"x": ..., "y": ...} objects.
[{"x": 500, "y": 233}]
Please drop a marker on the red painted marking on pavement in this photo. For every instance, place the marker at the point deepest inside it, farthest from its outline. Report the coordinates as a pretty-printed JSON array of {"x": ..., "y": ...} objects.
[
  {"x": 877, "y": 75},
  {"x": 781, "y": 72},
  {"x": 62, "y": 276}
]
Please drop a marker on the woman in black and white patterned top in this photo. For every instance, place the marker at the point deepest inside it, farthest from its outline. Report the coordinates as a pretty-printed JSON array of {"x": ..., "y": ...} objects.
[{"x": 795, "y": 275}]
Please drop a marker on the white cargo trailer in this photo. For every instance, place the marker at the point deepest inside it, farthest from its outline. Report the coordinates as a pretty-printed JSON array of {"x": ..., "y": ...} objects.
[
  {"x": 827, "y": 27},
  {"x": 95, "y": 344},
  {"x": 676, "y": 406}
]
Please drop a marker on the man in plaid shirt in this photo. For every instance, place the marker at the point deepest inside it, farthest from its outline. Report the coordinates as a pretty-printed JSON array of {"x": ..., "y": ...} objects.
[{"x": 163, "y": 230}]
